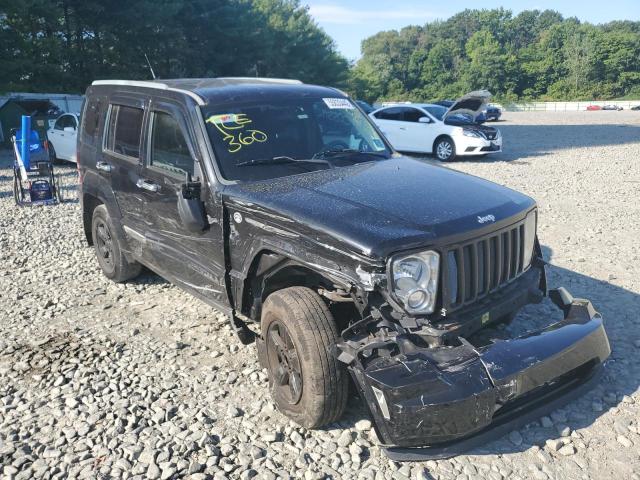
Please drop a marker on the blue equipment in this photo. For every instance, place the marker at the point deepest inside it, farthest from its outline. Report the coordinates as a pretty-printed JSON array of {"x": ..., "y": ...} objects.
[{"x": 34, "y": 181}]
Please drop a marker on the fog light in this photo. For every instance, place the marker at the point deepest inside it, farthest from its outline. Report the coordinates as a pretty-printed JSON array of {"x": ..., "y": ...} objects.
[{"x": 382, "y": 402}]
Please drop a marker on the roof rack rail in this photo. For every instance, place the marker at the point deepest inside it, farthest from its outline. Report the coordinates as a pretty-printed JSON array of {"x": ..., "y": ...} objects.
[{"x": 157, "y": 85}]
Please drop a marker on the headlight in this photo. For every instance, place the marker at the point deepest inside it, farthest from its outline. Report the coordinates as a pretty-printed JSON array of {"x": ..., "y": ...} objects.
[
  {"x": 415, "y": 281},
  {"x": 471, "y": 133},
  {"x": 529, "y": 236}
]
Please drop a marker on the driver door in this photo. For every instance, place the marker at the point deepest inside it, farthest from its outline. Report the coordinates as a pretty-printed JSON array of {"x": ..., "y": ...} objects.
[
  {"x": 194, "y": 261},
  {"x": 416, "y": 135}
]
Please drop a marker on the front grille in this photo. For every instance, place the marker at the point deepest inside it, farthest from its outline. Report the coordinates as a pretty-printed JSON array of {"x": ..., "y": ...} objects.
[
  {"x": 474, "y": 269},
  {"x": 490, "y": 135}
]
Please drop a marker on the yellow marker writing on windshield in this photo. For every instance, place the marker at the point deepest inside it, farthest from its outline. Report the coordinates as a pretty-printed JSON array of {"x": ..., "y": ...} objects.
[{"x": 236, "y": 121}]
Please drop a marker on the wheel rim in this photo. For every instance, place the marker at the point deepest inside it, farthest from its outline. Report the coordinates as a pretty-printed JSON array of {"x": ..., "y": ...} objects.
[
  {"x": 104, "y": 242},
  {"x": 444, "y": 150},
  {"x": 284, "y": 364}
]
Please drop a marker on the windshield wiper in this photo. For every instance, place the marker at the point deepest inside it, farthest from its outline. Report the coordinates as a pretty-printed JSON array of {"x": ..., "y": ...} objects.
[
  {"x": 335, "y": 152},
  {"x": 280, "y": 160}
]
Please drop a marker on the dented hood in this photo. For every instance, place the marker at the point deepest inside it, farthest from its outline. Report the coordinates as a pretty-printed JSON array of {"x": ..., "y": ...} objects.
[
  {"x": 381, "y": 207},
  {"x": 471, "y": 104}
]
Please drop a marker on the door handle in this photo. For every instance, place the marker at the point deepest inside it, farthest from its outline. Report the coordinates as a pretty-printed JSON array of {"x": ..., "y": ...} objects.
[
  {"x": 149, "y": 186},
  {"x": 402, "y": 128},
  {"x": 104, "y": 166}
]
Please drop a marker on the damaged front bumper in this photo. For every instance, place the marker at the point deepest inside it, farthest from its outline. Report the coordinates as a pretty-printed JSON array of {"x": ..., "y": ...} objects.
[{"x": 439, "y": 402}]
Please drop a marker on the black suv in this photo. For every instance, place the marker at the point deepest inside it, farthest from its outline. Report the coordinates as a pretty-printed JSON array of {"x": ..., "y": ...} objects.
[{"x": 283, "y": 206}]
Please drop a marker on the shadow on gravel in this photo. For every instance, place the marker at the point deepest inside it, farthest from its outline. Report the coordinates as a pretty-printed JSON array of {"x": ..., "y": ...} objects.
[
  {"x": 539, "y": 140},
  {"x": 528, "y": 141},
  {"x": 619, "y": 308}
]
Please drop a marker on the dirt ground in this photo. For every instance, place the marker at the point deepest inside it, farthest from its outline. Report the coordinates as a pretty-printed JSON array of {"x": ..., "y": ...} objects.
[{"x": 99, "y": 380}]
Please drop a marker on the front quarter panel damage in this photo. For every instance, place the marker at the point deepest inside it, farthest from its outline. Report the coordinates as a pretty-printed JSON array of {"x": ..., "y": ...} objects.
[{"x": 262, "y": 243}]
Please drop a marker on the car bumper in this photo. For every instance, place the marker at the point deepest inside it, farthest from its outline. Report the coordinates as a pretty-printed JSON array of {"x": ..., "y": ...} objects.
[
  {"x": 439, "y": 402},
  {"x": 477, "y": 146}
]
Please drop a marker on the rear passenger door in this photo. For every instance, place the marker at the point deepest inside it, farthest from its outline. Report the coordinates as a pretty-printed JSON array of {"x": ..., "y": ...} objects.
[
  {"x": 120, "y": 162},
  {"x": 194, "y": 260}
]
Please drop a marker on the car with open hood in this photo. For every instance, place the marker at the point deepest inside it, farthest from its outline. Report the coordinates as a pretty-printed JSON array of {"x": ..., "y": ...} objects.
[
  {"x": 283, "y": 206},
  {"x": 445, "y": 132}
]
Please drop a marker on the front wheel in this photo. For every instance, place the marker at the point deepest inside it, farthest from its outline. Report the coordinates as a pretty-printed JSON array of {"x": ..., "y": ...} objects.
[
  {"x": 445, "y": 149},
  {"x": 108, "y": 251},
  {"x": 308, "y": 383}
]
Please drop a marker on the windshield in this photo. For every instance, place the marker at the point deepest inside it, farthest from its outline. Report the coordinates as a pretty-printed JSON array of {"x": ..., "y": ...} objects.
[
  {"x": 436, "y": 110},
  {"x": 269, "y": 139}
]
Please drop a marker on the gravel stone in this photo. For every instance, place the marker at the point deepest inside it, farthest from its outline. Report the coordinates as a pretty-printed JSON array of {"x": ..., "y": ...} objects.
[{"x": 141, "y": 380}]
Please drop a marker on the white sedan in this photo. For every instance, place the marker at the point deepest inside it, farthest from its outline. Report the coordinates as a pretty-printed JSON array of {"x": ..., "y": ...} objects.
[
  {"x": 62, "y": 137},
  {"x": 447, "y": 133}
]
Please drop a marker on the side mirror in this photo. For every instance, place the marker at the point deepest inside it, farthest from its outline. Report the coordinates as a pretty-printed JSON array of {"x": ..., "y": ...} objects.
[
  {"x": 190, "y": 206},
  {"x": 424, "y": 120},
  {"x": 69, "y": 129}
]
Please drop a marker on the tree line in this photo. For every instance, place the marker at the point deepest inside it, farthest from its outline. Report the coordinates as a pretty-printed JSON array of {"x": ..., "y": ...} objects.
[
  {"x": 533, "y": 55},
  {"x": 63, "y": 45}
]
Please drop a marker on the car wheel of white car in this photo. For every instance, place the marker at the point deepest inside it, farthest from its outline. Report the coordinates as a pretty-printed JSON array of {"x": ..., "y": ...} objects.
[{"x": 445, "y": 149}]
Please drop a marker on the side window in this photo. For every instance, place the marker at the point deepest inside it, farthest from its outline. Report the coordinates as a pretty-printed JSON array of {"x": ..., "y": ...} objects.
[
  {"x": 393, "y": 113},
  {"x": 59, "y": 125},
  {"x": 124, "y": 132},
  {"x": 69, "y": 122},
  {"x": 412, "y": 115},
  {"x": 169, "y": 149}
]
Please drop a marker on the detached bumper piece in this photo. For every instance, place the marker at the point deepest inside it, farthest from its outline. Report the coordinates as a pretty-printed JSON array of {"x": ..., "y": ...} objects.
[{"x": 430, "y": 403}]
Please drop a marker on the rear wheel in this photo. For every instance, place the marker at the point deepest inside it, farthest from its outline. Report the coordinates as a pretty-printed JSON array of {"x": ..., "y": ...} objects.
[
  {"x": 445, "y": 149},
  {"x": 107, "y": 247},
  {"x": 308, "y": 384}
]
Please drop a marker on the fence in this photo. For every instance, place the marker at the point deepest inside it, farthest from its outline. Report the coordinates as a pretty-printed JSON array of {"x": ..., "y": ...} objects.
[{"x": 566, "y": 106}]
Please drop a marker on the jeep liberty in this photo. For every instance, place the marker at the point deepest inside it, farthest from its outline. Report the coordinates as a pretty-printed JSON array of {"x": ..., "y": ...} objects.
[{"x": 282, "y": 205}]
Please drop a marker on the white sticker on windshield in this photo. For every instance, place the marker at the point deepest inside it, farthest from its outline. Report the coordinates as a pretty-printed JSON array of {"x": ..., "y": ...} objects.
[
  {"x": 378, "y": 144},
  {"x": 339, "y": 103}
]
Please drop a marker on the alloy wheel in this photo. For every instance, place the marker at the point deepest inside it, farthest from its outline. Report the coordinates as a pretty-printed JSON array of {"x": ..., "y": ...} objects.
[
  {"x": 284, "y": 363},
  {"x": 105, "y": 243},
  {"x": 444, "y": 150}
]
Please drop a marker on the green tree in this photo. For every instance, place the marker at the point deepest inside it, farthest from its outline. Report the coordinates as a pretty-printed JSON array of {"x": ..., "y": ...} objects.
[{"x": 534, "y": 55}]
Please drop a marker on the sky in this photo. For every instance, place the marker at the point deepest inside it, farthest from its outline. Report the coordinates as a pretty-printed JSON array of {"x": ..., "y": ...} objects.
[{"x": 350, "y": 22}]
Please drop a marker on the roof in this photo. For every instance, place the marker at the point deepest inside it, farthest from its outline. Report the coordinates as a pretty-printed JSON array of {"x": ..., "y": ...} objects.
[{"x": 230, "y": 89}]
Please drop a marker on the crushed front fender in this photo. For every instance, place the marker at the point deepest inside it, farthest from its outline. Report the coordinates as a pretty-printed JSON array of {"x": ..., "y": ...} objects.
[{"x": 439, "y": 402}]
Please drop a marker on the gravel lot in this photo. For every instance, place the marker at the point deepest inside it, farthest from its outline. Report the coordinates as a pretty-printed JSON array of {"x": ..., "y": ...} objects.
[{"x": 99, "y": 380}]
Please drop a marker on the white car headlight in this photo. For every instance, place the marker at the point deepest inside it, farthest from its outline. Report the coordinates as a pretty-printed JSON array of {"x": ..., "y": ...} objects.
[
  {"x": 529, "y": 236},
  {"x": 415, "y": 281},
  {"x": 471, "y": 133}
]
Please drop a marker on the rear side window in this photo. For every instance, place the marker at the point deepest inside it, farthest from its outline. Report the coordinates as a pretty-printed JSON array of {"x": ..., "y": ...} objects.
[
  {"x": 91, "y": 116},
  {"x": 169, "y": 150},
  {"x": 124, "y": 130}
]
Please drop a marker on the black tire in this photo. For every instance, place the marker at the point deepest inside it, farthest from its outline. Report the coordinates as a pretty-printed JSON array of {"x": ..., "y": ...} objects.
[
  {"x": 17, "y": 188},
  {"x": 445, "y": 149},
  {"x": 298, "y": 320},
  {"x": 107, "y": 247},
  {"x": 53, "y": 157}
]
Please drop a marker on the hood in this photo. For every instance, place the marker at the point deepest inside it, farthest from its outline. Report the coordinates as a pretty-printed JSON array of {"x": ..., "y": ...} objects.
[
  {"x": 382, "y": 207},
  {"x": 471, "y": 104}
]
